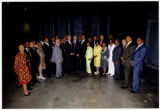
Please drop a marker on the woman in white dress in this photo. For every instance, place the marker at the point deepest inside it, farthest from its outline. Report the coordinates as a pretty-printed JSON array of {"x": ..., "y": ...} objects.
[{"x": 111, "y": 70}]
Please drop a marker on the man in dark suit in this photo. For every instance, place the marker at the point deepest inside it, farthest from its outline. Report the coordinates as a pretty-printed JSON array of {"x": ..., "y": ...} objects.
[
  {"x": 69, "y": 55},
  {"x": 116, "y": 58},
  {"x": 137, "y": 64},
  {"x": 76, "y": 59},
  {"x": 126, "y": 58},
  {"x": 83, "y": 47},
  {"x": 48, "y": 53},
  {"x": 34, "y": 62},
  {"x": 52, "y": 42}
]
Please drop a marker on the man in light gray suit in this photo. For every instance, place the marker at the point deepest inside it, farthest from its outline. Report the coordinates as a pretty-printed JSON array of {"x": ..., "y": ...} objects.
[{"x": 57, "y": 58}]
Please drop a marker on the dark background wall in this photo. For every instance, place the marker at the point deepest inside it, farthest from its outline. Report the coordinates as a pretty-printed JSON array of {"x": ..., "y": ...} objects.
[{"x": 34, "y": 21}]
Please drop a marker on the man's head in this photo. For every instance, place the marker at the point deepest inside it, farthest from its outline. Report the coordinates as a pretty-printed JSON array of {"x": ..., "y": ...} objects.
[
  {"x": 101, "y": 37},
  {"x": 74, "y": 37},
  {"x": 62, "y": 41},
  {"x": 58, "y": 42},
  {"x": 53, "y": 39},
  {"x": 116, "y": 41},
  {"x": 69, "y": 37},
  {"x": 57, "y": 37},
  {"x": 128, "y": 38},
  {"x": 95, "y": 38},
  {"x": 83, "y": 37},
  {"x": 46, "y": 39},
  {"x": 90, "y": 39},
  {"x": 124, "y": 42},
  {"x": 26, "y": 44},
  {"x": 139, "y": 40},
  {"x": 31, "y": 45},
  {"x": 80, "y": 38}
]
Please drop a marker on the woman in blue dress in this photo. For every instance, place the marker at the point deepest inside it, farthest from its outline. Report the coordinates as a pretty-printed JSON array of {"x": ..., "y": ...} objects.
[{"x": 104, "y": 58}]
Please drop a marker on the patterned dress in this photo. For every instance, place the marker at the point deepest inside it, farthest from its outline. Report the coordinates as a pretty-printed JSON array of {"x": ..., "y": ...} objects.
[{"x": 21, "y": 67}]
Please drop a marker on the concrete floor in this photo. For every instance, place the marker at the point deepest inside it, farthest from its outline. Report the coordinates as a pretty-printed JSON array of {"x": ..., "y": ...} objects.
[{"x": 75, "y": 92}]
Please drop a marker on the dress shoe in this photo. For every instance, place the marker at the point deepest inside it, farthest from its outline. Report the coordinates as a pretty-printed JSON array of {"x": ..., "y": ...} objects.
[
  {"x": 124, "y": 87},
  {"x": 132, "y": 91},
  {"x": 38, "y": 81},
  {"x": 116, "y": 79}
]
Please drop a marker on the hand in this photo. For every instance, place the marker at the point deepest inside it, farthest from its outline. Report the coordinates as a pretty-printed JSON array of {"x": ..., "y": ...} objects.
[
  {"x": 51, "y": 60},
  {"x": 89, "y": 59},
  {"x": 116, "y": 62},
  {"x": 77, "y": 55},
  {"x": 72, "y": 54},
  {"x": 131, "y": 63},
  {"x": 64, "y": 50},
  {"x": 59, "y": 61},
  {"x": 95, "y": 56}
]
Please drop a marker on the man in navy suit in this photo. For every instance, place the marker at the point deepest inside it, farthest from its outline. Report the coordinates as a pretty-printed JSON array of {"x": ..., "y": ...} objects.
[
  {"x": 137, "y": 64},
  {"x": 48, "y": 54},
  {"x": 116, "y": 58}
]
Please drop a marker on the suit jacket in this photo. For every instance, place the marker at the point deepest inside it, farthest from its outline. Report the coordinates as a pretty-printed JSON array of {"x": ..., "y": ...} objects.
[
  {"x": 47, "y": 51},
  {"x": 117, "y": 53},
  {"x": 51, "y": 44},
  {"x": 69, "y": 49},
  {"x": 34, "y": 59},
  {"x": 76, "y": 48},
  {"x": 139, "y": 55},
  {"x": 57, "y": 54},
  {"x": 62, "y": 46},
  {"x": 83, "y": 48},
  {"x": 128, "y": 53}
]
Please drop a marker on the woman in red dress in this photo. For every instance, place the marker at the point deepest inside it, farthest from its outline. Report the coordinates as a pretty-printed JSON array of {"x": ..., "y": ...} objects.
[{"x": 22, "y": 69}]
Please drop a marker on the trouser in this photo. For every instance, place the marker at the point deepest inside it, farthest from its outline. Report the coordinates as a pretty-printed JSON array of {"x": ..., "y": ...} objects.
[
  {"x": 34, "y": 74},
  {"x": 48, "y": 69},
  {"x": 83, "y": 64},
  {"x": 137, "y": 69},
  {"x": 128, "y": 75},
  {"x": 58, "y": 69},
  {"x": 111, "y": 68},
  {"x": 88, "y": 66},
  {"x": 76, "y": 63},
  {"x": 117, "y": 70},
  {"x": 53, "y": 68},
  {"x": 68, "y": 64},
  {"x": 122, "y": 76}
]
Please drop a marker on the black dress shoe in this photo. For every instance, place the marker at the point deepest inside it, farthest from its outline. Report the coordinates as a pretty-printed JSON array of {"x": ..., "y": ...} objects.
[
  {"x": 116, "y": 79},
  {"x": 124, "y": 87},
  {"x": 38, "y": 81},
  {"x": 132, "y": 91}
]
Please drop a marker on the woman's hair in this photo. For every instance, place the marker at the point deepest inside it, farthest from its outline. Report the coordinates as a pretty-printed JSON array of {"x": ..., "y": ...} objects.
[
  {"x": 88, "y": 42},
  {"x": 97, "y": 41}
]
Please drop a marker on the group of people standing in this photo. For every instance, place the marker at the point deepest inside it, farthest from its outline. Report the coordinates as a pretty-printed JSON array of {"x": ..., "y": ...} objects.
[{"x": 96, "y": 57}]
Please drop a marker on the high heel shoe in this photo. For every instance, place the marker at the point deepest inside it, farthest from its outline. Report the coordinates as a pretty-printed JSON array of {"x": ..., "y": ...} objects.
[{"x": 27, "y": 94}]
